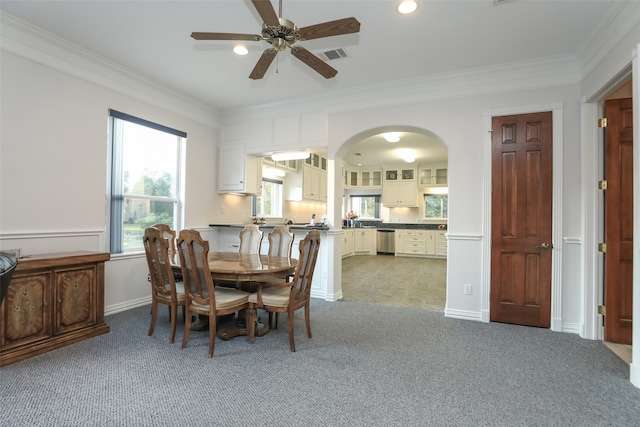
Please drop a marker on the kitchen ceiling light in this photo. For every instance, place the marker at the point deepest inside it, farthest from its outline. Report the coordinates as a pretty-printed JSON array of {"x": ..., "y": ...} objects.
[
  {"x": 407, "y": 155},
  {"x": 408, "y": 6},
  {"x": 290, "y": 155},
  {"x": 240, "y": 50},
  {"x": 391, "y": 136}
]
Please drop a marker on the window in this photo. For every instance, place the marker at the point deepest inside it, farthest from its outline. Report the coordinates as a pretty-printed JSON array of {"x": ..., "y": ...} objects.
[
  {"x": 145, "y": 183},
  {"x": 366, "y": 206},
  {"x": 436, "y": 206},
  {"x": 269, "y": 204}
]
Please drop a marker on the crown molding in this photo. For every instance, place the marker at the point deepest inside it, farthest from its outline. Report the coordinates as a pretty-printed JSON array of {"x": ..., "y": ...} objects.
[
  {"x": 526, "y": 75},
  {"x": 30, "y": 42}
]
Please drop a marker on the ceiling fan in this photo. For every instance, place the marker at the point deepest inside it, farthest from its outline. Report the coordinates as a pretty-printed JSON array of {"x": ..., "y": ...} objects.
[{"x": 281, "y": 33}]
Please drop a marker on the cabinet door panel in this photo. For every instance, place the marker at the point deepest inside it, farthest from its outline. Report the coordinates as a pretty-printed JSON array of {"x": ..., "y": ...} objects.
[
  {"x": 75, "y": 299},
  {"x": 25, "y": 311}
]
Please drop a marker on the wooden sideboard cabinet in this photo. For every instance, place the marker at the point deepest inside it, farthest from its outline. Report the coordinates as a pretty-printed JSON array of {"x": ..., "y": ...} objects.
[{"x": 53, "y": 300}]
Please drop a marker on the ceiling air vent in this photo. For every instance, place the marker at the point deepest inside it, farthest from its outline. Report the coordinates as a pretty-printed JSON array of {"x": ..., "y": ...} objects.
[{"x": 334, "y": 54}]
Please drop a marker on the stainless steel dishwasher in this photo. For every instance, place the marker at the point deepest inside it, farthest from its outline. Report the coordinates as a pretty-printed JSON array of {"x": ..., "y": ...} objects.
[{"x": 386, "y": 241}]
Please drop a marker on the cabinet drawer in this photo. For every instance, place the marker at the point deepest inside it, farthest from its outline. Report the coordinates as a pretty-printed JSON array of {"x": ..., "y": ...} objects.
[{"x": 414, "y": 248}]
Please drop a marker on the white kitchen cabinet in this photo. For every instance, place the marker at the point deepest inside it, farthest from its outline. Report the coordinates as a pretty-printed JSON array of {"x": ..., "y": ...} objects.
[
  {"x": 411, "y": 242},
  {"x": 440, "y": 243},
  {"x": 364, "y": 241},
  {"x": 399, "y": 194},
  {"x": 237, "y": 172},
  {"x": 433, "y": 175},
  {"x": 347, "y": 243},
  {"x": 399, "y": 174},
  {"x": 370, "y": 178},
  {"x": 314, "y": 184},
  {"x": 422, "y": 243}
]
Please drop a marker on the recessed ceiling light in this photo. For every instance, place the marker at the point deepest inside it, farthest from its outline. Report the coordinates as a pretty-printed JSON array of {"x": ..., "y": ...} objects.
[
  {"x": 407, "y": 6},
  {"x": 240, "y": 50}
]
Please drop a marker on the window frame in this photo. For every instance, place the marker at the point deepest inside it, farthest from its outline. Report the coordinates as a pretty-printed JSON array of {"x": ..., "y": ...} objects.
[
  {"x": 115, "y": 196},
  {"x": 444, "y": 210},
  {"x": 377, "y": 205},
  {"x": 254, "y": 204}
]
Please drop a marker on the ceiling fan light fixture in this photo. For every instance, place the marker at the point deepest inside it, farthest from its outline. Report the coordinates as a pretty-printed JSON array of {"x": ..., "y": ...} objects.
[
  {"x": 391, "y": 136},
  {"x": 290, "y": 155},
  {"x": 407, "y": 6},
  {"x": 240, "y": 49}
]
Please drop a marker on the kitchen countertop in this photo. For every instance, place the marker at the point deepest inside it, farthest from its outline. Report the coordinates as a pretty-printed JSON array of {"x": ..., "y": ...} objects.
[
  {"x": 386, "y": 225},
  {"x": 291, "y": 226}
]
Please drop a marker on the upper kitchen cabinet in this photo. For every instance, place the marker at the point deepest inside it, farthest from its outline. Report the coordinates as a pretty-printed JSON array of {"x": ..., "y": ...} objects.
[
  {"x": 399, "y": 187},
  {"x": 311, "y": 184},
  {"x": 399, "y": 174},
  {"x": 278, "y": 132},
  {"x": 370, "y": 178},
  {"x": 238, "y": 172},
  {"x": 362, "y": 177},
  {"x": 433, "y": 175}
]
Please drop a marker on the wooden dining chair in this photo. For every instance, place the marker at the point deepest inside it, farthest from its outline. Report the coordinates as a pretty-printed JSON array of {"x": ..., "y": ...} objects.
[
  {"x": 281, "y": 241},
  {"x": 280, "y": 244},
  {"x": 287, "y": 297},
  {"x": 164, "y": 288},
  {"x": 202, "y": 296},
  {"x": 250, "y": 239},
  {"x": 169, "y": 234}
]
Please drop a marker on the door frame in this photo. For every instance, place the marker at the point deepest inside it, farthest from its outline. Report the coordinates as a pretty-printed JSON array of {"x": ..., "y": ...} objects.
[
  {"x": 556, "y": 257},
  {"x": 593, "y": 209}
]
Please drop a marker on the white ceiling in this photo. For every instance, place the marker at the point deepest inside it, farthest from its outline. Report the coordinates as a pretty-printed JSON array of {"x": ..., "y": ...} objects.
[{"x": 152, "y": 39}]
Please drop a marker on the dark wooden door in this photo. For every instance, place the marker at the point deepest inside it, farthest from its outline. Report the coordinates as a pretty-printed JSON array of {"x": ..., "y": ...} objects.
[
  {"x": 618, "y": 219},
  {"x": 521, "y": 241}
]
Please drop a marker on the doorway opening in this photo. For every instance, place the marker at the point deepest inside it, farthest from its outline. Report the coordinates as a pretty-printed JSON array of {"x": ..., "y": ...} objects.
[{"x": 405, "y": 178}]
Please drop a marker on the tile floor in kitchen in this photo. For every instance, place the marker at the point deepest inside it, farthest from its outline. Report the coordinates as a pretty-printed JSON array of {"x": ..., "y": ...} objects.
[{"x": 396, "y": 281}]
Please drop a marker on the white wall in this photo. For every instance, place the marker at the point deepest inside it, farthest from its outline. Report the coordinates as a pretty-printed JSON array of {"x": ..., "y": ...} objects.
[
  {"x": 459, "y": 124},
  {"x": 53, "y": 168}
]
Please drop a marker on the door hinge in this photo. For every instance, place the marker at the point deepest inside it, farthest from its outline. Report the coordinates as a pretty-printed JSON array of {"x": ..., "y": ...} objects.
[
  {"x": 602, "y": 185},
  {"x": 602, "y": 310},
  {"x": 602, "y": 123},
  {"x": 602, "y": 247}
]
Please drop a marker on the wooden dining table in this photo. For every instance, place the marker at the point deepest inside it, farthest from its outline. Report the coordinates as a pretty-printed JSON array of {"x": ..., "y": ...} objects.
[{"x": 244, "y": 269}]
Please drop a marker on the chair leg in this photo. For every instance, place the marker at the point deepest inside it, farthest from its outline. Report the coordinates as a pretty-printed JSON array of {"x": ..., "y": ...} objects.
[
  {"x": 173, "y": 314},
  {"x": 277, "y": 319},
  {"x": 187, "y": 329},
  {"x": 213, "y": 320},
  {"x": 307, "y": 319},
  {"x": 292, "y": 345},
  {"x": 154, "y": 314}
]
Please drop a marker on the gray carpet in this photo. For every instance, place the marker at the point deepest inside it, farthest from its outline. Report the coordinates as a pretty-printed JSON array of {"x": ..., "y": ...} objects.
[{"x": 367, "y": 365}]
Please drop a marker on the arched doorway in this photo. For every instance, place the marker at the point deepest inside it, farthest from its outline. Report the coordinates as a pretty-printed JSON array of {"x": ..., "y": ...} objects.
[{"x": 404, "y": 200}]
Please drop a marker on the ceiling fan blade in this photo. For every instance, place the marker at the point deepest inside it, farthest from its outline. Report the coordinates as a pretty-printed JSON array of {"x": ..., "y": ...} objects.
[
  {"x": 263, "y": 64},
  {"x": 331, "y": 28},
  {"x": 314, "y": 62},
  {"x": 267, "y": 12},
  {"x": 225, "y": 36}
]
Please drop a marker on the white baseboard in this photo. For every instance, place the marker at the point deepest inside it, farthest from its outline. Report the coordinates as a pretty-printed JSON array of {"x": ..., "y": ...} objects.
[
  {"x": 463, "y": 314},
  {"x": 128, "y": 305}
]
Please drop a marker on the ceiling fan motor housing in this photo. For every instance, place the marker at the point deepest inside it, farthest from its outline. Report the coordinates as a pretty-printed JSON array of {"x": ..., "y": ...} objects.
[{"x": 281, "y": 36}]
